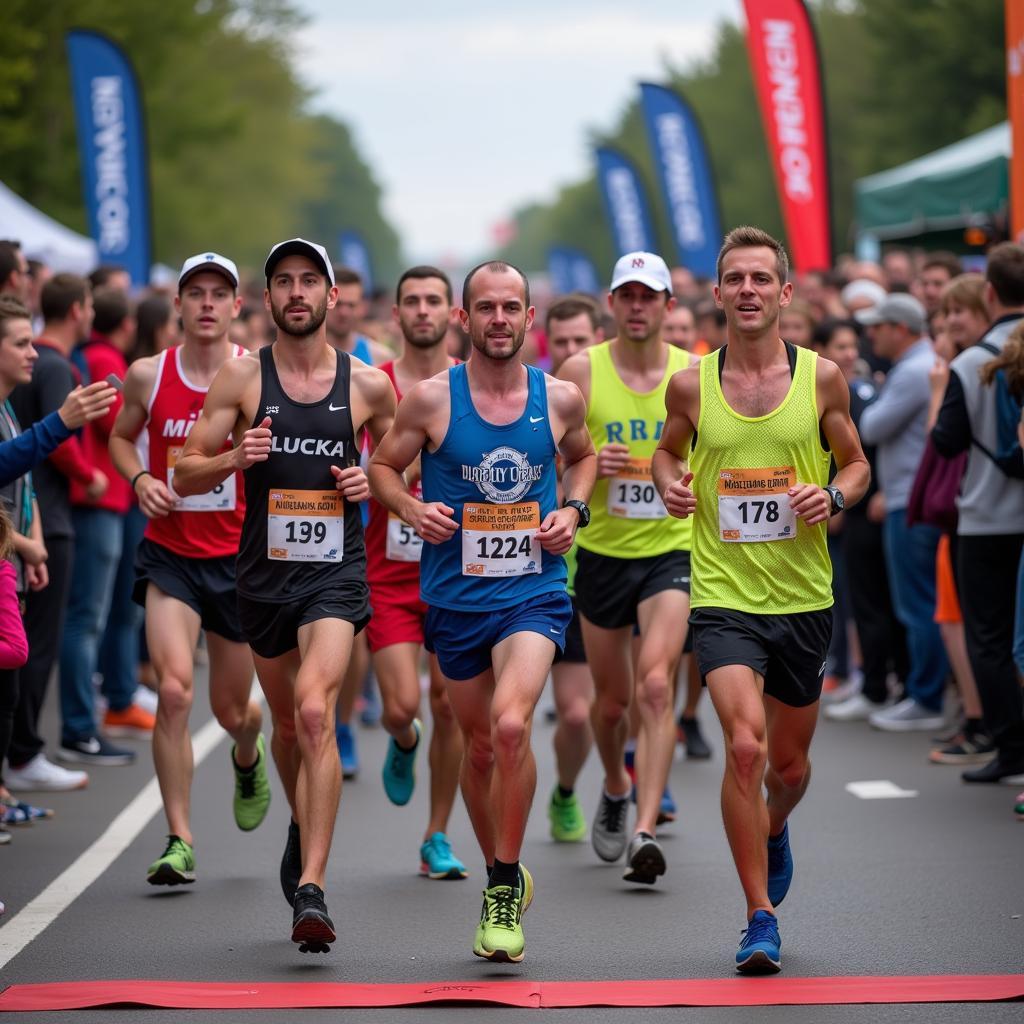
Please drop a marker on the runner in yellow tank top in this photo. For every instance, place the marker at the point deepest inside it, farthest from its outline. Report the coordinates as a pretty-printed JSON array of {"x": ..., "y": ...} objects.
[
  {"x": 752, "y": 420},
  {"x": 633, "y": 564}
]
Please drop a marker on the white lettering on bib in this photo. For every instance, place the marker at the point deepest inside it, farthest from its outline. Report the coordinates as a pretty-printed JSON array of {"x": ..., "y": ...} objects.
[
  {"x": 305, "y": 526},
  {"x": 753, "y": 504},
  {"x": 632, "y": 494},
  {"x": 500, "y": 540},
  {"x": 220, "y": 499}
]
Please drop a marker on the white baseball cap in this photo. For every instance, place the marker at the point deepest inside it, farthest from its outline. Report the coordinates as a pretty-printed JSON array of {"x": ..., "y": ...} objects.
[
  {"x": 645, "y": 267},
  {"x": 208, "y": 261},
  {"x": 300, "y": 247}
]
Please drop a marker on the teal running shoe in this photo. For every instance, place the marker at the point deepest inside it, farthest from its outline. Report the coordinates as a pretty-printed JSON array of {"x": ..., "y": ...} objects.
[
  {"x": 399, "y": 772},
  {"x": 437, "y": 859}
]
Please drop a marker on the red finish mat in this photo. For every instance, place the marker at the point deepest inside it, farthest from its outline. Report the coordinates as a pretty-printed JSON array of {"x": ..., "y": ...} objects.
[{"x": 770, "y": 991}]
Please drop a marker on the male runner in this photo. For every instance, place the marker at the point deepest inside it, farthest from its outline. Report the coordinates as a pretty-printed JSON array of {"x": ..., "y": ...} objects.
[
  {"x": 487, "y": 433},
  {"x": 296, "y": 410},
  {"x": 760, "y": 421},
  {"x": 633, "y": 566},
  {"x": 395, "y": 633},
  {"x": 572, "y": 324},
  {"x": 185, "y": 565}
]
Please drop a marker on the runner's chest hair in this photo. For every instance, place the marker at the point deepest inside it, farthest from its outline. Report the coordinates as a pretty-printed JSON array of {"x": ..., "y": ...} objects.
[
  {"x": 756, "y": 395},
  {"x": 307, "y": 389}
]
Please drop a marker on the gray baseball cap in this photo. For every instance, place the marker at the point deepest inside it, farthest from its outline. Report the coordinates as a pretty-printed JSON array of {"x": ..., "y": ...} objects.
[{"x": 896, "y": 308}]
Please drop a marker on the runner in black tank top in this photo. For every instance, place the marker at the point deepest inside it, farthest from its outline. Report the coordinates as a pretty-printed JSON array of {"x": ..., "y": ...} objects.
[{"x": 296, "y": 410}]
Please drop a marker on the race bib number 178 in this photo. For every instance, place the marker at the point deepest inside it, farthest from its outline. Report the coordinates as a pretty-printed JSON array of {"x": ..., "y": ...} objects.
[{"x": 753, "y": 504}]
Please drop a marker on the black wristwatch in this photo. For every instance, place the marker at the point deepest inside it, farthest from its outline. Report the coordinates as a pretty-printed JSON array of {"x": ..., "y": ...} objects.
[
  {"x": 583, "y": 510},
  {"x": 838, "y": 501}
]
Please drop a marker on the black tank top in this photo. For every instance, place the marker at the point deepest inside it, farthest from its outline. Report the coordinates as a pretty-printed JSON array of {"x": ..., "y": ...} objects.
[{"x": 299, "y": 534}]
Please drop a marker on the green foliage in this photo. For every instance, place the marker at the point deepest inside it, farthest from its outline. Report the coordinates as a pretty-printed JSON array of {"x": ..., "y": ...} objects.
[
  {"x": 901, "y": 79},
  {"x": 236, "y": 162}
]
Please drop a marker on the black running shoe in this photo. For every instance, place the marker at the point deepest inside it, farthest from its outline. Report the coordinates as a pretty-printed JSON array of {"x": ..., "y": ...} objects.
[
  {"x": 291, "y": 864},
  {"x": 697, "y": 748},
  {"x": 312, "y": 928}
]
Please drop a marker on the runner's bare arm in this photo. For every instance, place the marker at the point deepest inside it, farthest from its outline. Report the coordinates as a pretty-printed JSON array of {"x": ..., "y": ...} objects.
[
  {"x": 810, "y": 502},
  {"x": 567, "y": 413},
  {"x": 668, "y": 464},
  {"x": 373, "y": 410},
  {"x": 155, "y": 499},
  {"x": 202, "y": 464},
  {"x": 409, "y": 434}
]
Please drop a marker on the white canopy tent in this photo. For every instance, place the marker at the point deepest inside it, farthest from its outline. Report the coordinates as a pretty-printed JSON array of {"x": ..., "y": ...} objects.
[{"x": 43, "y": 238}]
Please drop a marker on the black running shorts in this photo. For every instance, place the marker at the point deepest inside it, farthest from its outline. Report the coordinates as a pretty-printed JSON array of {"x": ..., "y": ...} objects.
[
  {"x": 789, "y": 651},
  {"x": 574, "y": 653},
  {"x": 271, "y": 628},
  {"x": 206, "y": 585},
  {"x": 608, "y": 590}
]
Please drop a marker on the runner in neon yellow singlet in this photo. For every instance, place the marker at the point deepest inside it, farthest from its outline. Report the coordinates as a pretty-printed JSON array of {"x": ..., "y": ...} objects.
[{"x": 758, "y": 421}]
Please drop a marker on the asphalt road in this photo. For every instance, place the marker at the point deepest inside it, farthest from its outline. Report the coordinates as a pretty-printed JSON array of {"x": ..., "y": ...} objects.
[{"x": 930, "y": 884}]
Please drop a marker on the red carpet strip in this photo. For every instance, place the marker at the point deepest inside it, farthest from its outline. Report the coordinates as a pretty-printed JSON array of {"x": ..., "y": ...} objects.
[{"x": 770, "y": 991}]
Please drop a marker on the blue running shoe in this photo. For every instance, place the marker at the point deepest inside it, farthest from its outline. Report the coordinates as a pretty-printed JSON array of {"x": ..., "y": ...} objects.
[
  {"x": 780, "y": 866},
  {"x": 371, "y": 710},
  {"x": 667, "y": 807},
  {"x": 399, "y": 771},
  {"x": 437, "y": 859},
  {"x": 760, "y": 951},
  {"x": 346, "y": 741}
]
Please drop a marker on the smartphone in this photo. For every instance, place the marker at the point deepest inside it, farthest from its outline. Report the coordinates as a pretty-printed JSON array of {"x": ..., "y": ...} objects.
[{"x": 115, "y": 382}]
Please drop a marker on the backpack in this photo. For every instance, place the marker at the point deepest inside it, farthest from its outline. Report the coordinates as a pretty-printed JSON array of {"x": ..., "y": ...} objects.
[{"x": 1007, "y": 455}]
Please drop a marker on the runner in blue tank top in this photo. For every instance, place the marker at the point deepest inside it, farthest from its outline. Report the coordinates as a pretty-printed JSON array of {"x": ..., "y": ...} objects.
[{"x": 487, "y": 434}]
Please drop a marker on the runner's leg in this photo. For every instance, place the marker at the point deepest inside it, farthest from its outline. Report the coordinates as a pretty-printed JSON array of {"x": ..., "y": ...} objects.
[
  {"x": 277, "y": 678},
  {"x": 790, "y": 731},
  {"x": 445, "y": 752},
  {"x": 573, "y": 688},
  {"x": 397, "y": 670},
  {"x": 609, "y": 655},
  {"x": 231, "y": 671}
]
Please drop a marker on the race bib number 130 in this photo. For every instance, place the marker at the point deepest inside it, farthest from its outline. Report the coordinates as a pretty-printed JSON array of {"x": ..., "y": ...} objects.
[
  {"x": 500, "y": 540},
  {"x": 753, "y": 504},
  {"x": 305, "y": 526}
]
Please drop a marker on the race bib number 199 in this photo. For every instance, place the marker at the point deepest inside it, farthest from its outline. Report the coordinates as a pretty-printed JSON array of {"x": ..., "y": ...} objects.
[
  {"x": 305, "y": 526},
  {"x": 753, "y": 504},
  {"x": 500, "y": 540}
]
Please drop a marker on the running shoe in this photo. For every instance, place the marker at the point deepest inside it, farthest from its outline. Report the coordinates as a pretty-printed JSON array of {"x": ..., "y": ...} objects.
[
  {"x": 499, "y": 936},
  {"x": 566, "y": 816},
  {"x": 399, "y": 771},
  {"x": 5, "y": 836},
  {"x": 177, "y": 866},
  {"x": 967, "y": 748},
  {"x": 145, "y": 698},
  {"x": 854, "y": 709},
  {"x": 133, "y": 721},
  {"x": 346, "y": 741},
  {"x": 1018, "y": 807},
  {"x": 437, "y": 859},
  {"x": 41, "y": 774},
  {"x": 291, "y": 863},
  {"x": 667, "y": 808},
  {"x": 780, "y": 866},
  {"x": 93, "y": 750},
  {"x": 907, "y": 716},
  {"x": 312, "y": 928},
  {"x": 760, "y": 950},
  {"x": 608, "y": 836},
  {"x": 999, "y": 769},
  {"x": 252, "y": 789},
  {"x": 645, "y": 860},
  {"x": 689, "y": 734},
  {"x": 17, "y": 812}
]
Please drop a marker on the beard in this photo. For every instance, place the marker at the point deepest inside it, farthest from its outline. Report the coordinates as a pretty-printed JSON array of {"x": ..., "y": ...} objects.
[
  {"x": 316, "y": 318},
  {"x": 480, "y": 344},
  {"x": 435, "y": 337}
]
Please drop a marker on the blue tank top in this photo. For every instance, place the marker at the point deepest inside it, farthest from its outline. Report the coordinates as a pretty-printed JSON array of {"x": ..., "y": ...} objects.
[
  {"x": 501, "y": 483},
  {"x": 361, "y": 349}
]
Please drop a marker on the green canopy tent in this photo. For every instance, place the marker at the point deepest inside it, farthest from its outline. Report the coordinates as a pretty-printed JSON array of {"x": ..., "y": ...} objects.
[{"x": 939, "y": 194}]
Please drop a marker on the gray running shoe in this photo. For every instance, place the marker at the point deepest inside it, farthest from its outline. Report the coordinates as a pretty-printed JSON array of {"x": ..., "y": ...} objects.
[
  {"x": 645, "y": 860},
  {"x": 608, "y": 835}
]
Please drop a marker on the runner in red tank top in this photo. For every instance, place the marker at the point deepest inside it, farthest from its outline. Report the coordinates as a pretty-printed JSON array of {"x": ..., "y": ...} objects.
[
  {"x": 186, "y": 562},
  {"x": 395, "y": 633}
]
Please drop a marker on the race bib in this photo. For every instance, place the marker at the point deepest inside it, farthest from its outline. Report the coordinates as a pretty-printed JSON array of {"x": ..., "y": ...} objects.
[
  {"x": 220, "y": 499},
  {"x": 500, "y": 540},
  {"x": 753, "y": 504},
  {"x": 305, "y": 526},
  {"x": 404, "y": 543},
  {"x": 632, "y": 494}
]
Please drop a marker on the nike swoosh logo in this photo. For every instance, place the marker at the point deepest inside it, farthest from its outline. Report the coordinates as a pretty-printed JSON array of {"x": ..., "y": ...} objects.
[
  {"x": 550, "y": 630},
  {"x": 536, "y": 419},
  {"x": 335, "y": 408}
]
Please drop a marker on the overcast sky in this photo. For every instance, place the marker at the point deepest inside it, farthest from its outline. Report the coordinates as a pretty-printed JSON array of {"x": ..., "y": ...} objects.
[{"x": 466, "y": 111}]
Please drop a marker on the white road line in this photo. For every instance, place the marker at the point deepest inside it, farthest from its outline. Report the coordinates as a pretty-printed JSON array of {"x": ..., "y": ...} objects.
[
  {"x": 879, "y": 789},
  {"x": 38, "y": 915}
]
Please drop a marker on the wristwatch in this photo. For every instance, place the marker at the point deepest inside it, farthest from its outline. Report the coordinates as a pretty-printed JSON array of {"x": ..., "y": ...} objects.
[
  {"x": 838, "y": 501},
  {"x": 583, "y": 510}
]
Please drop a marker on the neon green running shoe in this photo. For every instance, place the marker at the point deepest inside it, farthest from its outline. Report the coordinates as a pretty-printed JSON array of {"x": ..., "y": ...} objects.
[
  {"x": 566, "y": 816},
  {"x": 252, "y": 789},
  {"x": 499, "y": 935},
  {"x": 177, "y": 866}
]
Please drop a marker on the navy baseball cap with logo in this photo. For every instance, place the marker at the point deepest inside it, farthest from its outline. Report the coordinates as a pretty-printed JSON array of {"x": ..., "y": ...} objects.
[
  {"x": 645, "y": 267},
  {"x": 300, "y": 247},
  {"x": 208, "y": 261}
]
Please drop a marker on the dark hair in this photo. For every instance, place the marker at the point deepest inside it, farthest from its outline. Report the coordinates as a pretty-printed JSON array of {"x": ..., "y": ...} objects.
[
  {"x": 1005, "y": 272},
  {"x": 423, "y": 272},
  {"x": 9, "y": 262},
  {"x": 828, "y": 328},
  {"x": 11, "y": 309},
  {"x": 747, "y": 237},
  {"x": 110, "y": 310},
  {"x": 59, "y": 294},
  {"x": 496, "y": 267},
  {"x": 101, "y": 276},
  {"x": 571, "y": 306},
  {"x": 152, "y": 313},
  {"x": 346, "y": 275},
  {"x": 946, "y": 260}
]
